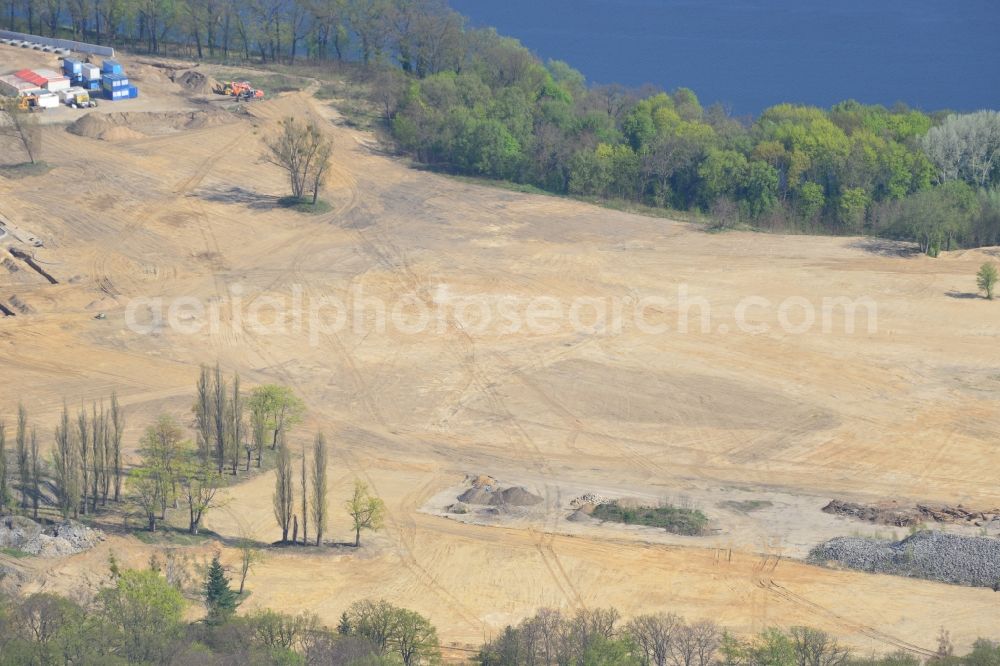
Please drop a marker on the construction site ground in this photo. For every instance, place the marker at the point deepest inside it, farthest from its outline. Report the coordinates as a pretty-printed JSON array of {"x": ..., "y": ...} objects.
[{"x": 181, "y": 204}]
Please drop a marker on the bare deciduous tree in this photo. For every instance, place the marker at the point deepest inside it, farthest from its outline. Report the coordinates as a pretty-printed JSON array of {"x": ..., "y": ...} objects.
[
  {"x": 200, "y": 485},
  {"x": 304, "y": 481},
  {"x": 250, "y": 556},
  {"x": 283, "y": 492},
  {"x": 66, "y": 466},
  {"x": 117, "y": 431},
  {"x": 83, "y": 440},
  {"x": 4, "y": 492},
  {"x": 203, "y": 413},
  {"x": 22, "y": 129},
  {"x": 304, "y": 152},
  {"x": 817, "y": 648},
  {"x": 237, "y": 431},
  {"x": 22, "y": 453},
  {"x": 36, "y": 474},
  {"x": 655, "y": 635},
  {"x": 220, "y": 413}
]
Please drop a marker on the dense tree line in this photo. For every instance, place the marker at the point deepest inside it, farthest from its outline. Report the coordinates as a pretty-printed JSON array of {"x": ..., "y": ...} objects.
[
  {"x": 139, "y": 616},
  {"x": 474, "y": 102},
  {"x": 599, "y": 637},
  {"x": 852, "y": 169}
]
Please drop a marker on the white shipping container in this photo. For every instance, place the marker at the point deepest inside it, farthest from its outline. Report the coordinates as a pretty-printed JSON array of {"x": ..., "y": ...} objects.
[
  {"x": 58, "y": 83},
  {"x": 69, "y": 95},
  {"x": 91, "y": 72},
  {"x": 48, "y": 101}
]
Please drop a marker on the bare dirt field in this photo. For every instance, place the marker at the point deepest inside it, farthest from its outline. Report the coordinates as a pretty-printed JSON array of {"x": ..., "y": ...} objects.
[{"x": 181, "y": 204}]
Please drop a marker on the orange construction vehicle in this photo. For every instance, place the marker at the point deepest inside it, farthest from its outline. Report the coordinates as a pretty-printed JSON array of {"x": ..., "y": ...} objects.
[{"x": 242, "y": 90}]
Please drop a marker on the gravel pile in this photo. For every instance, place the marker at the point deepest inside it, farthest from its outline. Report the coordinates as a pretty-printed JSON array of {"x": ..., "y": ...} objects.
[
  {"x": 589, "y": 498},
  {"x": 949, "y": 558},
  {"x": 65, "y": 538}
]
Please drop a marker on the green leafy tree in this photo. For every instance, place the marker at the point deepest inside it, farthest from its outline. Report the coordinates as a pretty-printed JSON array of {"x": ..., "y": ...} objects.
[
  {"x": 163, "y": 451},
  {"x": 278, "y": 407},
  {"x": 142, "y": 612},
  {"x": 851, "y": 207},
  {"x": 986, "y": 279},
  {"x": 220, "y": 599},
  {"x": 366, "y": 510}
]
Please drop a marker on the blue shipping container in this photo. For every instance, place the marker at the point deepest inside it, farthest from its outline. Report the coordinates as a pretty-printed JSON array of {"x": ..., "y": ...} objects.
[
  {"x": 114, "y": 81},
  {"x": 72, "y": 67},
  {"x": 115, "y": 95},
  {"x": 111, "y": 67},
  {"x": 133, "y": 92}
]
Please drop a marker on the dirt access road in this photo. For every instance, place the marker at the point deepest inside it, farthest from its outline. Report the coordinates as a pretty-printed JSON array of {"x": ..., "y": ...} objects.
[{"x": 179, "y": 204}]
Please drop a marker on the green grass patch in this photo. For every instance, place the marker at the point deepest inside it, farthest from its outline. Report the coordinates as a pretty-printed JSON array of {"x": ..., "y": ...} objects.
[
  {"x": 690, "y": 522},
  {"x": 305, "y": 205},
  {"x": 746, "y": 506},
  {"x": 24, "y": 170},
  {"x": 14, "y": 552}
]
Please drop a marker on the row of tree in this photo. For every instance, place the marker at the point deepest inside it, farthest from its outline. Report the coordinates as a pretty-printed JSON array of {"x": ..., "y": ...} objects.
[
  {"x": 85, "y": 467},
  {"x": 366, "y": 510},
  {"x": 138, "y": 615},
  {"x": 424, "y": 35},
  {"x": 599, "y": 637},
  {"x": 230, "y": 425}
]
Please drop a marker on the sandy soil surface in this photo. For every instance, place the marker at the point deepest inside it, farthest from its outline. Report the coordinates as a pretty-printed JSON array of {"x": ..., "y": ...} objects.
[{"x": 172, "y": 209}]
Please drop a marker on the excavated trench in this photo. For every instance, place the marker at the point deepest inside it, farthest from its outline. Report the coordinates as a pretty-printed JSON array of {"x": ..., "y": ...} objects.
[{"x": 28, "y": 259}]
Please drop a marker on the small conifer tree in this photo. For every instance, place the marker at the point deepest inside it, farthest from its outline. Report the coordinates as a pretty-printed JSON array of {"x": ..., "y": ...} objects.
[{"x": 220, "y": 599}]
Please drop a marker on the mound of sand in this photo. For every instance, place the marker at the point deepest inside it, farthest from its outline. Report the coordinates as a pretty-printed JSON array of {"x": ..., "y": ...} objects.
[
  {"x": 98, "y": 125},
  {"x": 91, "y": 126},
  {"x": 516, "y": 496},
  {"x": 486, "y": 490},
  {"x": 195, "y": 82},
  {"x": 65, "y": 538},
  {"x": 116, "y": 134}
]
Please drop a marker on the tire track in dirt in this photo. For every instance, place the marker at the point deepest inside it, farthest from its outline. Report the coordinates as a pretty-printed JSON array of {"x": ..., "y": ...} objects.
[
  {"x": 817, "y": 609},
  {"x": 404, "y": 532}
]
